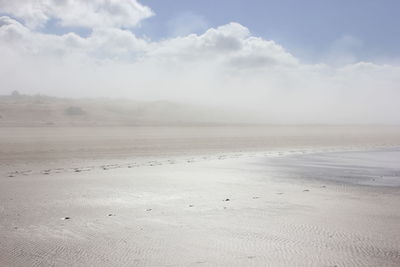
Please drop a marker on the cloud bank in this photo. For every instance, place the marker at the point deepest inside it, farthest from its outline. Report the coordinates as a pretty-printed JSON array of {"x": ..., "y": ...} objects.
[
  {"x": 224, "y": 66},
  {"x": 81, "y": 13}
]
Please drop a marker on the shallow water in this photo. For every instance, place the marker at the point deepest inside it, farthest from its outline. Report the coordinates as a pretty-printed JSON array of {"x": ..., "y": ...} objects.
[{"x": 372, "y": 168}]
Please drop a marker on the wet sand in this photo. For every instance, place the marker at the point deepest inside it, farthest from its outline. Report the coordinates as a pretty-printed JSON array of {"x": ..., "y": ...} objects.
[
  {"x": 57, "y": 148},
  {"x": 379, "y": 167},
  {"x": 207, "y": 206}
]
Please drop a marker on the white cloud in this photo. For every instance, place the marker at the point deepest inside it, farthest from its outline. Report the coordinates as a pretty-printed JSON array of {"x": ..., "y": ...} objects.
[
  {"x": 102, "y": 44},
  {"x": 81, "y": 13},
  {"x": 230, "y": 45}
]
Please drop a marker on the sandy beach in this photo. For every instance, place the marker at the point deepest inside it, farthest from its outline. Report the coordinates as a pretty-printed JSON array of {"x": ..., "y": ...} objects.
[
  {"x": 199, "y": 133},
  {"x": 263, "y": 196}
]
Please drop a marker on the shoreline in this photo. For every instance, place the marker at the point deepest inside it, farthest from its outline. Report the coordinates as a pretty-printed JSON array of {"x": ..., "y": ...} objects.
[
  {"x": 142, "y": 161},
  {"x": 222, "y": 208}
]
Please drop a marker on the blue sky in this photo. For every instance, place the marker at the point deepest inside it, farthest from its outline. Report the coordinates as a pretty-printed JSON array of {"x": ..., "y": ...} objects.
[{"x": 309, "y": 29}]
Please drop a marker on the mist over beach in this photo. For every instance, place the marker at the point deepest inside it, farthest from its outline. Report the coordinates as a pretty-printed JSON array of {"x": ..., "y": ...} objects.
[{"x": 182, "y": 133}]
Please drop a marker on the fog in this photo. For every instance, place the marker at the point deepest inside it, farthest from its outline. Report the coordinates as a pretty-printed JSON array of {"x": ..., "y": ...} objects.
[{"x": 225, "y": 68}]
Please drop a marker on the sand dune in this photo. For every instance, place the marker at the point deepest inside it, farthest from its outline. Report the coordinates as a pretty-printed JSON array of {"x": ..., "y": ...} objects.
[{"x": 41, "y": 110}]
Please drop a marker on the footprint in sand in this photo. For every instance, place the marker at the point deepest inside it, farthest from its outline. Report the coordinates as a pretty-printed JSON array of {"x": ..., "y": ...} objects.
[
  {"x": 66, "y": 218},
  {"x": 306, "y": 190}
]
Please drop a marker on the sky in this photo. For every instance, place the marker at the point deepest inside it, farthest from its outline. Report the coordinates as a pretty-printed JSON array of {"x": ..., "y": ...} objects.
[
  {"x": 309, "y": 29},
  {"x": 294, "y": 61}
]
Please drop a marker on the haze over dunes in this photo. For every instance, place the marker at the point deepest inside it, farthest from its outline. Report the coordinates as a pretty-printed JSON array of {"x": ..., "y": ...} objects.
[{"x": 25, "y": 110}]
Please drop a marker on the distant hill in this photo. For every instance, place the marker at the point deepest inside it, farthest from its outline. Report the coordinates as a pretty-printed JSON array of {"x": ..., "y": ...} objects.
[{"x": 28, "y": 110}]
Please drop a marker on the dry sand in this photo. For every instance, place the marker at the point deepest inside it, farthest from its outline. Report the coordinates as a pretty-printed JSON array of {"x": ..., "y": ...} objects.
[{"x": 211, "y": 196}]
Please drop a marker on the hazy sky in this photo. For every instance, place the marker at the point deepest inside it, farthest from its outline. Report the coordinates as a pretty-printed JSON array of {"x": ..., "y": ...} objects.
[{"x": 294, "y": 61}]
